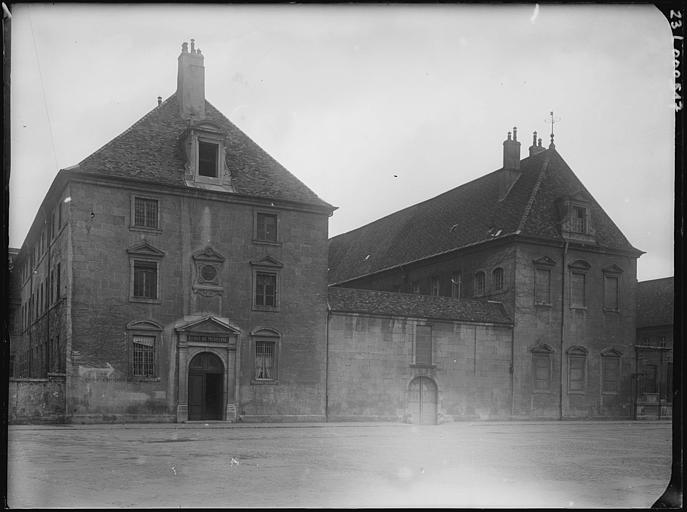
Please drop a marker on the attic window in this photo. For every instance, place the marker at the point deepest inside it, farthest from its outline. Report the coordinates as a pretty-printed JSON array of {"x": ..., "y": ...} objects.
[
  {"x": 579, "y": 220},
  {"x": 207, "y": 159}
]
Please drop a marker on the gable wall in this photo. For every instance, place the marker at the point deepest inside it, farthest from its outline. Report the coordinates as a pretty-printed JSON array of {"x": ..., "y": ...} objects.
[{"x": 591, "y": 328}]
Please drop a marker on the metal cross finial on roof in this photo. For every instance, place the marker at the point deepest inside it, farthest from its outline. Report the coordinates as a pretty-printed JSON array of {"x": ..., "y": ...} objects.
[{"x": 553, "y": 120}]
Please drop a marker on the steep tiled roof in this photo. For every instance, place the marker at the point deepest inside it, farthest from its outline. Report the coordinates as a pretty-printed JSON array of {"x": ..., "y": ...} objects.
[
  {"x": 410, "y": 305},
  {"x": 151, "y": 149},
  {"x": 469, "y": 214},
  {"x": 655, "y": 300}
]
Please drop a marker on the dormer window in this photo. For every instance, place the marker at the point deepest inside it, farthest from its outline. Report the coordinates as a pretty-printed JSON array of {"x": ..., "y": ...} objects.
[
  {"x": 206, "y": 167},
  {"x": 207, "y": 159},
  {"x": 579, "y": 220}
]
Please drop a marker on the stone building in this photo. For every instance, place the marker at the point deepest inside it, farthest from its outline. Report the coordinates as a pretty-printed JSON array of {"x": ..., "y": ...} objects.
[
  {"x": 177, "y": 273},
  {"x": 180, "y": 273},
  {"x": 654, "y": 348},
  {"x": 532, "y": 238}
]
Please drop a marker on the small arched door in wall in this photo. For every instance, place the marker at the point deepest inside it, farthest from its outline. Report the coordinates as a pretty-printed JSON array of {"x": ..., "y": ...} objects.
[
  {"x": 422, "y": 401},
  {"x": 205, "y": 387}
]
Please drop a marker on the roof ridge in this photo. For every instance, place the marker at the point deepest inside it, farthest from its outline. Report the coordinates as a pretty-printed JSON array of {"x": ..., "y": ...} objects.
[
  {"x": 130, "y": 128},
  {"x": 535, "y": 191}
]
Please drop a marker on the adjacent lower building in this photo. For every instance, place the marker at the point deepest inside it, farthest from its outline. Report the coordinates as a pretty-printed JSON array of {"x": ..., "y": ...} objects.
[{"x": 654, "y": 348}]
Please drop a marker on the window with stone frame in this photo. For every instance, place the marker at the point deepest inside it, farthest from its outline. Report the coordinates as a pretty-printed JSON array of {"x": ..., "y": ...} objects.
[
  {"x": 266, "y": 289},
  {"x": 423, "y": 345},
  {"x": 610, "y": 372},
  {"x": 208, "y": 158},
  {"x": 144, "y": 264},
  {"x": 435, "y": 286},
  {"x": 456, "y": 285},
  {"x": 541, "y": 368},
  {"x": 146, "y": 212},
  {"x": 145, "y": 279},
  {"x": 497, "y": 279},
  {"x": 266, "y": 356},
  {"x": 480, "y": 283},
  {"x": 578, "y": 284},
  {"x": 579, "y": 220},
  {"x": 577, "y": 370},
  {"x": 611, "y": 287},
  {"x": 542, "y": 286},
  {"x": 144, "y": 341},
  {"x": 266, "y": 227},
  {"x": 265, "y": 360}
]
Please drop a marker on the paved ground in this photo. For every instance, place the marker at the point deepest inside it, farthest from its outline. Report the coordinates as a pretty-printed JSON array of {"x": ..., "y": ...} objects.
[{"x": 542, "y": 464}]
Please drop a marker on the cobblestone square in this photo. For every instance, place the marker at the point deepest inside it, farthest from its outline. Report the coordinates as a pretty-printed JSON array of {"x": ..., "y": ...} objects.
[{"x": 523, "y": 464}]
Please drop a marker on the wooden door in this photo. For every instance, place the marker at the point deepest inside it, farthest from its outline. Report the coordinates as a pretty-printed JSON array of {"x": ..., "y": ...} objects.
[{"x": 422, "y": 401}]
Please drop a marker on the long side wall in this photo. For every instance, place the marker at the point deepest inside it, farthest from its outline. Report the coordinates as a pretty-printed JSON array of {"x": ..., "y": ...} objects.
[{"x": 371, "y": 368}]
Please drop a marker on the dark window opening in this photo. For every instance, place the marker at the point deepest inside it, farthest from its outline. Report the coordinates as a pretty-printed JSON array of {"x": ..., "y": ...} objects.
[
  {"x": 145, "y": 279},
  {"x": 479, "y": 283},
  {"x": 207, "y": 159},
  {"x": 579, "y": 221},
  {"x": 497, "y": 278},
  {"x": 145, "y": 213},
  {"x": 267, "y": 227},
  {"x": 265, "y": 289}
]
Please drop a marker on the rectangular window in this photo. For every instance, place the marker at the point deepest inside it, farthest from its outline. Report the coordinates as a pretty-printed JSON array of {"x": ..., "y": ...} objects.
[
  {"x": 577, "y": 290},
  {"x": 542, "y": 286},
  {"x": 265, "y": 289},
  {"x": 264, "y": 360},
  {"x": 144, "y": 356},
  {"x": 610, "y": 370},
  {"x": 650, "y": 378},
  {"x": 145, "y": 212},
  {"x": 576, "y": 365},
  {"x": 207, "y": 159},
  {"x": 415, "y": 287},
  {"x": 497, "y": 278},
  {"x": 266, "y": 227},
  {"x": 542, "y": 371},
  {"x": 348, "y": 327},
  {"x": 611, "y": 290},
  {"x": 145, "y": 279},
  {"x": 456, "y": 285},
  {"x": 423, "y": 344},
  {"x": 479, "y": 283},
  {"x": 579, "y": 220},
  {"x": 435, "y": 286}
]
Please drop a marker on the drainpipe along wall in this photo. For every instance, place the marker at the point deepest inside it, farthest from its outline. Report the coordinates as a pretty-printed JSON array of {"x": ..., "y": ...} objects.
[{"x": 560, "y": 390}]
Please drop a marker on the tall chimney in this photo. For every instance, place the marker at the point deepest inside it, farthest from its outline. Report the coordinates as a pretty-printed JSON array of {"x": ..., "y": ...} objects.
[
  {"x": 511, "y": 151},
  {"x": 191, "y": 83},
  {"x": 511, "y": 164},
  {"x": 534, "y": 148}
]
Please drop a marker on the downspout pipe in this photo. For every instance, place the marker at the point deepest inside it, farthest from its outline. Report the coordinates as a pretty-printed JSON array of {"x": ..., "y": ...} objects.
[
  {"x": 326, "y": 365},
  {"x": 560, "y": 387},
  {"x": 512, "y": 370}
]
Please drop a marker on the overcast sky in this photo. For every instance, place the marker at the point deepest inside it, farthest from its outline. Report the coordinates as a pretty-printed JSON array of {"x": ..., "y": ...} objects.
[{"x": 374, "y": 108}]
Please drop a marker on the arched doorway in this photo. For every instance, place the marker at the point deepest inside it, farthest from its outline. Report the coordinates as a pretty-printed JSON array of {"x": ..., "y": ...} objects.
[
  {"x": 422, "y": 401},
  {"x": 205, "y": 387}
]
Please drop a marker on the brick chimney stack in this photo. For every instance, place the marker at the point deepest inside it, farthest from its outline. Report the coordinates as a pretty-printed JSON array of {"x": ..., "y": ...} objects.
[
  {"x": 536, "y": 148},
  {"x": 511, "y": 164},
  {"x": 191, "y": 83}
]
